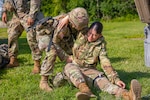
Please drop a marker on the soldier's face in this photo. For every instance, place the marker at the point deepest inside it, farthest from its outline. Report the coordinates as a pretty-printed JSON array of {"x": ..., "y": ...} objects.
[{"x": 93, "y": 36}]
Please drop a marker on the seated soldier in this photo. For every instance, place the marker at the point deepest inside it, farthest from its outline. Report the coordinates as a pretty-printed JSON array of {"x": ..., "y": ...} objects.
[{"x": 88, "y": 50}]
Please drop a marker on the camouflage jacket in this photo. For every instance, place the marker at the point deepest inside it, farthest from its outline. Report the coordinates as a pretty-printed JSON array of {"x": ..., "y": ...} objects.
[
  {"x": 68, "y": 32},
  {"x": 89, "y": 54},
  {"x": 24, "y": 7},
  {"x": 63, "y": 50},
  {"x": 69, "y": 36}
]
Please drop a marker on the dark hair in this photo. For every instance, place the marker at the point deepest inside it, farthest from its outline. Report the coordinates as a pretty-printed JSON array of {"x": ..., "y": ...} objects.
[{"x": 97, "y": 26}]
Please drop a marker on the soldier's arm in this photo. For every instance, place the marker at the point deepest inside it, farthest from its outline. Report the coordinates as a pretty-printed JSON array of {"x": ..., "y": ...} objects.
[
  {"x": 34, "y": 8},
  {"x": 110, "y": 72},
  {"x": 4, "y": 17},
  {"x": 63, "y": 56},
  {"x": 4, "y": 10},
  {"x": 58, "y": 36},
  {"x": 63, "y": 22}
]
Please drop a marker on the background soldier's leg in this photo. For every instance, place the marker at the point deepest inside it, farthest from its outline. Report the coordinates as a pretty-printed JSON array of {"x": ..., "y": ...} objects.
[
  {"x": 31, "y": 37},
  {"x": 15, "y": 29},
  {"x": 33, "y": 44},
  {"x": 36, "y": 53}
]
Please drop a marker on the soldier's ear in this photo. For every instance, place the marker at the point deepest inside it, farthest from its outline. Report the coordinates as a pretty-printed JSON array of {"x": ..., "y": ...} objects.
[{"x": 100, "y": 35}]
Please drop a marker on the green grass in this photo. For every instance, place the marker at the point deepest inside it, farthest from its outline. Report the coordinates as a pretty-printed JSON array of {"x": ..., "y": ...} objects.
[{"x": 126, "y": 52}]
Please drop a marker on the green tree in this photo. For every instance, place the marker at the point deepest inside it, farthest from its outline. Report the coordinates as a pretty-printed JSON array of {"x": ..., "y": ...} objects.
[
  {"x": 117, "y": 8},
  {"x": 97, "y": 9}
]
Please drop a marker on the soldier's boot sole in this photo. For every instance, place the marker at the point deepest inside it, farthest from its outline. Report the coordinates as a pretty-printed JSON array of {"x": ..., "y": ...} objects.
[
  {"x": 82, "y": 96},
  {"x": 136, "y": 89}
]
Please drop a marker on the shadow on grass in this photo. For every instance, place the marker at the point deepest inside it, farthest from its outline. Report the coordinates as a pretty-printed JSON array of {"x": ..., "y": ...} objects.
[
  {"x": 2, "y": 72},
  {"x": 128, "y": 76},
  {"x": 2, "y": 41},
  {"x": 147, "y": 97},
  {"x": 23, "y": 45},
  {"x": 117, "y": 59}
]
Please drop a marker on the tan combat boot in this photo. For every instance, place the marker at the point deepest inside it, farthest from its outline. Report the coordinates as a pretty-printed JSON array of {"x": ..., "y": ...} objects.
[
  {"x": 36, "y": 68},
  {"x": 135, "y": 91},
  {"x": 44, "y": 84},
  {"x": 13, "y": 62},
  {"x": 85, "y": 93}
]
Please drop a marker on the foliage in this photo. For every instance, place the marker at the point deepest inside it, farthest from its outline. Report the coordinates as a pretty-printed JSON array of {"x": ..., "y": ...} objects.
[
  {"x": 97, "y": 9},
  {"x": 116, "y": 8},
  {"x": 125, "y": 50}
]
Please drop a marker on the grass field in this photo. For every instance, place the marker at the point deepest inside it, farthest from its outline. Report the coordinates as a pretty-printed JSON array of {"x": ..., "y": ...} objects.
[{"x": 126, "y": 52}]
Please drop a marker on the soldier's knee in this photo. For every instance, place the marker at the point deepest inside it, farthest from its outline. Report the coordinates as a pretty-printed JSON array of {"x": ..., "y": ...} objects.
[
  {"x": 71, "y": 69},
  {"x": 109, "y": 87},
  {"x": 70, "y": 66},
  {"x": 67, "y": 65}
]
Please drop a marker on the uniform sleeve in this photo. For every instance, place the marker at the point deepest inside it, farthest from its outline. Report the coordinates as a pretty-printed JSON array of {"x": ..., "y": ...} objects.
[
  {"x": 34, "y": 8},
  {"x": 60, "y": 34},
  {"x": 110, "y": 72},
  {"x": 61, "y": 53},
  {"x": 57, "y": 39}
]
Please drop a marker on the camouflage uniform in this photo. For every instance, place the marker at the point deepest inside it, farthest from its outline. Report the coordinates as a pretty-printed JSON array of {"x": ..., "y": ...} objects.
[
  {"x": 66, "y": 43},
  {"x": 86, "y": 55},
  {"x": 19, "y": 22}
]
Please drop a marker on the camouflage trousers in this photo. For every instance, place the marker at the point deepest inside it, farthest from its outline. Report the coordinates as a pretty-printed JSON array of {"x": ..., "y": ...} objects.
[
  {"x": 50, "y": 58},
  {"x": 48, "y": 62},
  {"x": 15, "y": 28},
  {"x": 92, "y": 77}
]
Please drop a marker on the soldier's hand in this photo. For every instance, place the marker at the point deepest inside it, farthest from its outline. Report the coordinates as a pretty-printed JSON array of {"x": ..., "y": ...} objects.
[
  {"x": 30, "y": 21},
  {"x": 63, "y": 22},
  {"x": 60, "y": 35},
  {"x": 4, "y": 17},
  {"x": 121, "y": 84},
  {"x": 69, "y": 59}
]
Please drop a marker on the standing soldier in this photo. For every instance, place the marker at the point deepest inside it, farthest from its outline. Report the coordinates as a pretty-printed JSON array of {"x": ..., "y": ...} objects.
[
  {"x": 88, "y": 50},
  {"x": 78, "y": 23},
  {"x": 25, "y": 16}
]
